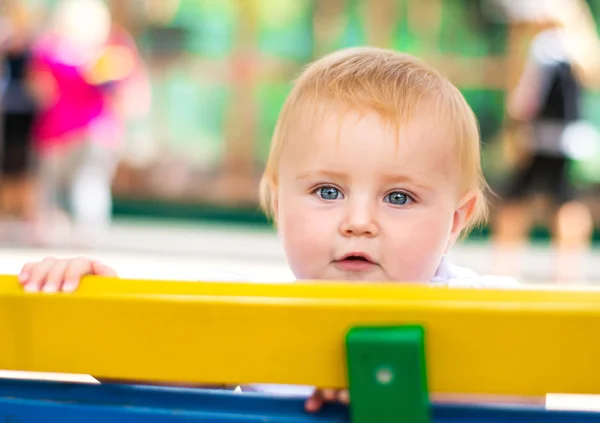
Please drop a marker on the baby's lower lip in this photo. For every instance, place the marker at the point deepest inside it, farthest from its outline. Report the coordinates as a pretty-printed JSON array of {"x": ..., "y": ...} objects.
[{"x": 354, "y": 265}]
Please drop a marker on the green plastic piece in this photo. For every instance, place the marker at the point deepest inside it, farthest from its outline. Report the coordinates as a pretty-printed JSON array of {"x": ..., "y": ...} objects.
[{"x": 387, "y": 375}]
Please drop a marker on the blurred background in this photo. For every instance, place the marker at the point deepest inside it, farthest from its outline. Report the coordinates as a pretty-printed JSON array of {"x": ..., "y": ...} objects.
[{"x": 137, "y": 130}]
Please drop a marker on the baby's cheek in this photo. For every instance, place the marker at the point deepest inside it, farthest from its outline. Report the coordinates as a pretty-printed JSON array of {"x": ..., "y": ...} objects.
[
  {"x": 415, "y": 254},
  {"x": 305, "y": 245}
]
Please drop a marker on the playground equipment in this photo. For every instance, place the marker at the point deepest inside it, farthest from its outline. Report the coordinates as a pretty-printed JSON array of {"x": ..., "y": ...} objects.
[{"x": 392, "y": 345}]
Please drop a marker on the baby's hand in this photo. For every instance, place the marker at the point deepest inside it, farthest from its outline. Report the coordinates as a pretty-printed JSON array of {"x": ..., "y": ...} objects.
[
  {"x": 54, "y": 275},
  {"x": 322, "y": 396}
]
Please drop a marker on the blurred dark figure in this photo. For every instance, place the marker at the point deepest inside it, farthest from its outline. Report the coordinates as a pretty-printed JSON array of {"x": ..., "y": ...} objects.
[
  {"x": 547, "y": 99},
  {"x": 18, "y": 112}
]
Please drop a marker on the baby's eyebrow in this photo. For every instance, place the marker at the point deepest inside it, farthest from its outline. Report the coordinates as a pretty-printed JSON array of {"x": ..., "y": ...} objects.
[
  {"x": 403, "y": 179},
  {"x": 325, "y": 174},
  {"x": 388, "y": 179}
]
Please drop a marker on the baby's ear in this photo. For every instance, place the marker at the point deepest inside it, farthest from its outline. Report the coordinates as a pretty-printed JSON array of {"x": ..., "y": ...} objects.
[
  {"x": 269, "y": 199},
  {"x": 462, "y": 217},
  {"x": 275, "y": 205},
  {"x": 274, "y": 202}
]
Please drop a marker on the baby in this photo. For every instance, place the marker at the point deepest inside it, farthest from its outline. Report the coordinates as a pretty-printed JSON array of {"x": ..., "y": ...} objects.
[{"x": 374, "y": 173}]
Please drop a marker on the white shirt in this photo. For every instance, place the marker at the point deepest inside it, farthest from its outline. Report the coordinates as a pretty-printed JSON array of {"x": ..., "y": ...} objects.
[{"x": 448, "y": 274}]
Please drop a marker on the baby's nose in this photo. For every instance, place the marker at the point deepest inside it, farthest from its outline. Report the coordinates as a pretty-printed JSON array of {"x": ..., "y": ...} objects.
[{"x": 360, "y": 220}]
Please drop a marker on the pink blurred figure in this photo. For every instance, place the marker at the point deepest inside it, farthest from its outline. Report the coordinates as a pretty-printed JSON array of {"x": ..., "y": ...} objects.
[{"x": 85, "y": 70}]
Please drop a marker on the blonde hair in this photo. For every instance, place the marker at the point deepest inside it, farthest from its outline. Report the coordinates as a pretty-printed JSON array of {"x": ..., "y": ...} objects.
[{"x": 394, "y": 85}]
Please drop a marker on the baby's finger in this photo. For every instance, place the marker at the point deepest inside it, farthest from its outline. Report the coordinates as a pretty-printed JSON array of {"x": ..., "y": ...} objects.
[
  {"x": 76, "y": 270},
  {"x": 315, "y": 402},
  {"x": 101, "y": 269},
  {"x": 329, "y": 395},
  {"x": 25, "y": 273},
  {"x": 343, "y": 396},
  {"x": 56, "y": 276},
  {"x": 39, "y": 272}
]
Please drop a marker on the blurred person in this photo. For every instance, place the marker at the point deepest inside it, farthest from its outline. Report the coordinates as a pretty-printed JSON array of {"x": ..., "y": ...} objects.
[
  {"x": 563, "y": 55},
  {"x": 87, "y": 78},
  {"x": 18, "y": 109},
  {"x": 373, "y": 175}
]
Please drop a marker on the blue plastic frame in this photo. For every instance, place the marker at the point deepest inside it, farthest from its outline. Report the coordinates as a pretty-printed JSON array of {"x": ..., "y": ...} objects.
[{"x": 48, "y": 402}]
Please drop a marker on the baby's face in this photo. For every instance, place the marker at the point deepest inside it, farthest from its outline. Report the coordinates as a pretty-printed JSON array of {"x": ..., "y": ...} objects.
[{"x": 355, "y": 201}]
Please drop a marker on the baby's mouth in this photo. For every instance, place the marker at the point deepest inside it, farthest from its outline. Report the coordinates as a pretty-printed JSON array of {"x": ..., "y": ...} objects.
[
  {"x": 357, "y": 258},
  {"x": 356, "y": 262}
]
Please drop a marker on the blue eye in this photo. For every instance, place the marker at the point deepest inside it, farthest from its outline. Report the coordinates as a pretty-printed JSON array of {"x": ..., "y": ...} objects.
[
  {"x": 329, "y": 193},
  {"x": 397, "y": 198}
]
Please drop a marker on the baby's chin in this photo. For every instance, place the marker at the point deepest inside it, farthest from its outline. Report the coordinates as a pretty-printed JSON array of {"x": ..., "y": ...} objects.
[
  {"x": 348, "y": 276},
  {"x": 379, "y": 276}
]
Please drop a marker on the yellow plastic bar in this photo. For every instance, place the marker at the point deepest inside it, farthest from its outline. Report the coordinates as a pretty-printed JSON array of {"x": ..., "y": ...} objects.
[{"x": 526, "y": 342}]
